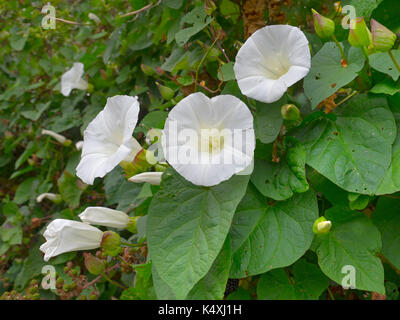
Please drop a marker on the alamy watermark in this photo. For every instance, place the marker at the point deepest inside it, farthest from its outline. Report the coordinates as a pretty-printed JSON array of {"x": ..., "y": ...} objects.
[{"x": 349, "y": 280}]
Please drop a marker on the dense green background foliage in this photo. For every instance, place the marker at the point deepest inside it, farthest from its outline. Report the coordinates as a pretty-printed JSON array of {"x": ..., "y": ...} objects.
[{"x": 342, "y": 164}]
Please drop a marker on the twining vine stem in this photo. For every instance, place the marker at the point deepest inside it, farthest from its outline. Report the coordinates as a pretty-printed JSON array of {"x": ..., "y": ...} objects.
[{"x": 394, "y": 60}]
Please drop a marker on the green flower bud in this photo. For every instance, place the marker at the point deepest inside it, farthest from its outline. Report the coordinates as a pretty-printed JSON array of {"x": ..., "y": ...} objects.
[
  {"x": 111, "y": 243},
  {"x": 93, "y": 264},
  {"x": 324, "y": 27},
  {"x": 360, "y": 36},
  {"x": 166, "y": 93},
  {"x": 383, "y": 39},
  {"x": 209, "y": 7},
  {"x": 322, "y": 226},
  {"x": 139, "y": 164},
  {"x": 147, "y": 70},
  {"x": 290, "y": 112},
  {"x": 131, "y": 227}
]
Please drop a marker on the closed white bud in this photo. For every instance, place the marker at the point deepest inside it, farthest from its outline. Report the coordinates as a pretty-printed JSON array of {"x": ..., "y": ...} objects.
[
  {"x": 105, "y": 217},
  {"x": 150, "y": 177},
  {"x": 51, "y": 196}
]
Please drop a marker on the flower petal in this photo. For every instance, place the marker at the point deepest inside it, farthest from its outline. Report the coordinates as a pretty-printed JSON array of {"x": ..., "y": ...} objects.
[{"x": 108, "y": 138}]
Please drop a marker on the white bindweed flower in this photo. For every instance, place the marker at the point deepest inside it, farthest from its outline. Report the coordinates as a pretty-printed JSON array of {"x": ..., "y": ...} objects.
[
  {"x": 72, "y": 79},
  {"x": 207, "y": 140},
  {"x": 67, "y": 235},
  {"x": 150, "y": 177},
  {"x": 51, "y": 196},
  {"x": 108, "y": 138},
  {"x": 106, "y": 217},
  {"x": 271, "y": 60}
]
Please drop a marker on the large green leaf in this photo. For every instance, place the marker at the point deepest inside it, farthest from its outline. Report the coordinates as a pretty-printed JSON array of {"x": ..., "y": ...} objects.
[
  {"x": 382, "y": 62},
  {"x": 354, "y": 151},
  {"x": 306, "y": 283},
  {"x": 187, "y": 226},
  {"x": 354, "y": 243},
  {"x": 213, "y": 284},
  {"x": 327, "y": 74},
  {"x": 387, "y": 218},
  {"x": 268, "y": 237},
  {"x": 391, "y": 182},
  {"x": 281, "y": 180},
  {"x": 268, "y": 120}
]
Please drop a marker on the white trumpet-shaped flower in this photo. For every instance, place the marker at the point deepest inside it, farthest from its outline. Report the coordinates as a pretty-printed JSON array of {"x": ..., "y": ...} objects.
[
  {"x": 108, "y": 138},
  {"x": 67, "y": 235},
  {"x": 72, "y": 79},
  {"x": 150, "y": 177},
  {"x": 207, "y": 140},
  {"x": 106, "y": 217},
  {"x": 271, "y": 60}
]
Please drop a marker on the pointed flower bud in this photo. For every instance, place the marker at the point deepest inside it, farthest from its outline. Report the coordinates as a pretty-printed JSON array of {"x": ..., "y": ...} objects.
[
  {"x": 107, "y": 217},
  {"x": 322, "y": 226},
  {"x": 147, "y": 70},
  {"x": 93, "y": 264},
  {"x": 111, "y": 243},
  {"x": 382, "y": 38},
  {"x": 359, "y": 36},
  {"x": 60, "y": 138},
  {"x": 56, "y": 198},
  {"x": 324, "y": 27},
  {"x": 166, "y": 92},
  {"x": 290, "y": 112},
  {"x": 150, "y": 177}
]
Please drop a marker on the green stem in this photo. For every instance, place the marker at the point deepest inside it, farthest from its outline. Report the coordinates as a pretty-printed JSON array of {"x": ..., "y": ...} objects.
[
  {"x": 394, "y": 60},
  {"x": 340, "y": 47},
  {"x": 365, "y": 51},
  {"x": 347, "y": 98},
  {"x": 134, "y": 245},
  {"x": 202, "y": 60},
  {"x": 113, "y": 282},
  {"x": 331, "y": 294}
]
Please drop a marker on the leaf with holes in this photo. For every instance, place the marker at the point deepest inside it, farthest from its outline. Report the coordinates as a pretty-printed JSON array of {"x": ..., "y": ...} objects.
[
  {"x": 327, "y": 74},
  {"x": 354, "y": 151}
]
